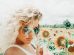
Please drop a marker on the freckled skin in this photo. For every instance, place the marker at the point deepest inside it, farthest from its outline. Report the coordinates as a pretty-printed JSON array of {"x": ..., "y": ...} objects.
[
  {"x": 25, "y": 39},
  {"x": 22, "y": 36}
]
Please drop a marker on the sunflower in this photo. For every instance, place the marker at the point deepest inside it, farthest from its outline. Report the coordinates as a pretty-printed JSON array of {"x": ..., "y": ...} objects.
[
  {"x": 60, "y": 42},
  {"x": 45, "y": 34}
]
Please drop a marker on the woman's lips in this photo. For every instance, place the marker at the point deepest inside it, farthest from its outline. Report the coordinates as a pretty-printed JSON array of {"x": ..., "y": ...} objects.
[{"x": 28, "y": 39}]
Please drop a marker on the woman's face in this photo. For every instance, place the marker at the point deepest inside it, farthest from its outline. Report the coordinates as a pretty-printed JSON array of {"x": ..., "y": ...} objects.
[{"x": 26, "y": 39}]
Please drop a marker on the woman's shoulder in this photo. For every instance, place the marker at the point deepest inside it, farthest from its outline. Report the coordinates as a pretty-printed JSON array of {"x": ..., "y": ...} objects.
[{"x": 14, "y": 51}]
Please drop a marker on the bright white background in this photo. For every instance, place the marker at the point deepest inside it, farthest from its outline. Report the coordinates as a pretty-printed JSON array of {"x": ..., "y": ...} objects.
[{"x": 54, "y": 11}]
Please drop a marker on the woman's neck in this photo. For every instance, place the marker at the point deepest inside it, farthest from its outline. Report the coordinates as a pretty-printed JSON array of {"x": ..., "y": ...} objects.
[{"x": 25, "y": 45}]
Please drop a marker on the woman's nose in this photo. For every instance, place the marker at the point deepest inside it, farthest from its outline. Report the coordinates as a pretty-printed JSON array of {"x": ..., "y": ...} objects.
[{"x": 30, "y": 35}]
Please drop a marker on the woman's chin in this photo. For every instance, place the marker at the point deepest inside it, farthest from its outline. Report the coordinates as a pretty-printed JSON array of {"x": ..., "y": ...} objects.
[{"x": 28, "y": 42}]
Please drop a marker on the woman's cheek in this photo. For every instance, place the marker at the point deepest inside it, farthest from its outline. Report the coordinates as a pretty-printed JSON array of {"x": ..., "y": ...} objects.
[
  {"x": 22, "y": 38},
  {"x": 31, "y": 35}
]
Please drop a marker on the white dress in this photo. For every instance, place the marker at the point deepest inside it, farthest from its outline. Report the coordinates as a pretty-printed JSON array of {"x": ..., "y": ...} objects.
[{"x": 22, "y": 49}]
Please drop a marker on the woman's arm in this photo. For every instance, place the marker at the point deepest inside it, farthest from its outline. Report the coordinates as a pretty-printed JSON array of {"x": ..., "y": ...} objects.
[{"x": 14, "y": 51}]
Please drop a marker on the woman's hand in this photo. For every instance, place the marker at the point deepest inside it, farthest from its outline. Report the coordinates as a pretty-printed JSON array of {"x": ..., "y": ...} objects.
[{"x": 41, "y": 51}]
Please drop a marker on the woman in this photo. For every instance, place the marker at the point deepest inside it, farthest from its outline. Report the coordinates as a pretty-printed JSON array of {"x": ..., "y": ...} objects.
[{"x": 28, "y": 21}]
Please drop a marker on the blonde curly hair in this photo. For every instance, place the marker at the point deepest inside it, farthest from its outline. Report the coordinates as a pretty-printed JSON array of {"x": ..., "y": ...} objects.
[
  {"x": 11, "y": 30},
  {"x": 28, "y": 13}
]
